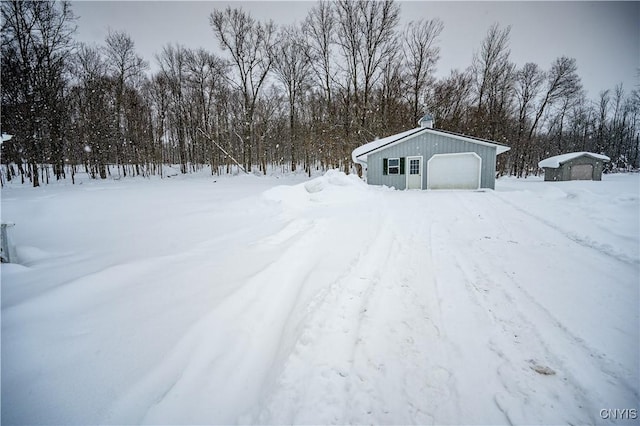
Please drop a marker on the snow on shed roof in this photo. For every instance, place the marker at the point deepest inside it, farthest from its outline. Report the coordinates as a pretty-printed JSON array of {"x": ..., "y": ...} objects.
[
  {"x": 556, "y": 161},
  {"x": 359, "y": 155}
]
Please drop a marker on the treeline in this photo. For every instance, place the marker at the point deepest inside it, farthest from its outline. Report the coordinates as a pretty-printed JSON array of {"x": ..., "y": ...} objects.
[{"x": 303, "y": 95}]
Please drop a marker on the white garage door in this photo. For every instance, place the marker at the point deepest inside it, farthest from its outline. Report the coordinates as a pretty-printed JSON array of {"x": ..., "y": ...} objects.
[{"x": 454, "y": 171}]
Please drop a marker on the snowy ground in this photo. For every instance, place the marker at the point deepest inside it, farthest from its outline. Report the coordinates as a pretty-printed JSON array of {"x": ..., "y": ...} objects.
[{"x": 188, "y": 301}]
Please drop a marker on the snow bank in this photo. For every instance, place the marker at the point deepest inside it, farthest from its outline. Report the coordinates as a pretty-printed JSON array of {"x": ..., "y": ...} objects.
[
  {"x": 331, "y": 188},
  {"x": 230, "y": 300}
]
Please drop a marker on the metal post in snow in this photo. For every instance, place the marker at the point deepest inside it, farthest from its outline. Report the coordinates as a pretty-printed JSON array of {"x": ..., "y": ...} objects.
[{"x": 5, "y": 253}]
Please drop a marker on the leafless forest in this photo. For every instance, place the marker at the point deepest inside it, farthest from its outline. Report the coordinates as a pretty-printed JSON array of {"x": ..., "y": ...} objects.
[{"x": 290, "y": 97}]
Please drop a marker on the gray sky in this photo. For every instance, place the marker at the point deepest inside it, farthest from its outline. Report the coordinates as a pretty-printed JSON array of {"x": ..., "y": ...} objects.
[{"x": 604, "y": 37}]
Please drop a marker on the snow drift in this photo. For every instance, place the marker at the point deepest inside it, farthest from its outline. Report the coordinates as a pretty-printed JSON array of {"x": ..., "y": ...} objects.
[{"x": 188, "y": 301}]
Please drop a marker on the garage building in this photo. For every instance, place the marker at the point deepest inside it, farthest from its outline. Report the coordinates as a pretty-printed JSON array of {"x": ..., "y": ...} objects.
[
  {"x": 426, "y": 158},
  {"x": 574, "y": 166}
]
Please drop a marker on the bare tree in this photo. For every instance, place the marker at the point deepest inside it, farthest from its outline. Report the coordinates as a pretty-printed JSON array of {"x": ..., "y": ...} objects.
[
  {"x": 205, "y": 77},
  {"x": 379, "y": 42},
  {"x": 54, "y": 30},
  {"x": 602, "y": 121},
  {"x": 36, "y": 47},
  {"x": 620, "y": 126},
  {"x": 349, "y": 39},
  {"x": 19, "y": 87},
  {"x": 560, "y": 84},
  {"x": 491, "y": 62},
  {"x": 343, "y": 78},
  {"x": 367, "y": 38},
  {"x": 93, "y": 111},
  {"x": 126, "y": 68},
  {"x": 420, "y": 57},
  {"x": 392, "y": 109},
  {"x": 494, "y": 78},
  {"x": 562, "y": 81},
  {"x": 157, "y": 89},
  {"x": 451, "y": 101},
  {"x": 172, "y": 63},
  {"x": 529, "y": 82},
  {"x": 319, "y": 27},
  {"x": 291, "y": 67},
  {"x": 250, "y": 44}
]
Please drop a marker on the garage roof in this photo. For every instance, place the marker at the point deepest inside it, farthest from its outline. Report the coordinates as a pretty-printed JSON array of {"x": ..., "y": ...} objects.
[
  {"x": 359, "y": 155},
  {"x": 555, "y": 162}
]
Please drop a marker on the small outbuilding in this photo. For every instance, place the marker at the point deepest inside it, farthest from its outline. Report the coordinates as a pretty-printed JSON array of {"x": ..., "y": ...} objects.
[
  {"x": 574, "y": 166},
  {"x": 426, "y": 158}
]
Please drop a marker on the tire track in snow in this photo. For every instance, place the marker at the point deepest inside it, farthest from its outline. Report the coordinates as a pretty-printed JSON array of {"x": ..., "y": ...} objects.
[
  {"x": 465, "y": 321},
  {"x": 364, "y": 353},
  {"x": 515, "y": 341},
  {"x": 403, "y": 378},
  {"x": 603, "y": 364},
  {"x": 565, "y": 395},
  {"x": 313, "y": 386},
  {"x": 370, "y": 346},
  {"x": 486, "y": 323},
  {"x": 429, "y": 384},
  {"x": 605, "y": 249},
  {"x": 235, "y": 344}
]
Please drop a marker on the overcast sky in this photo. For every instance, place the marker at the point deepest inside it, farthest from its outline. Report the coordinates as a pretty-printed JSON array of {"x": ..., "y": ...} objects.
[{"x": 604, "y": 37}]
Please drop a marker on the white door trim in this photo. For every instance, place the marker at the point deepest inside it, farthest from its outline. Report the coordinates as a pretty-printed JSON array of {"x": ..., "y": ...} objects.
[{"x": 408, "y": 169}]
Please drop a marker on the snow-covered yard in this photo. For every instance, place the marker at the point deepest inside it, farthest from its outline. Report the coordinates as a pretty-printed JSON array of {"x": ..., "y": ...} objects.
[{"x": 189, "y": 301}]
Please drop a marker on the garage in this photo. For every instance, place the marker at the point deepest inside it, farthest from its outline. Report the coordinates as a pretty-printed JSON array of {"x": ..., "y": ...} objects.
[
  {"x": 428, "y": 158},
  {"x": 454, "y": 171},
  {"x": 574, "y": 166}
]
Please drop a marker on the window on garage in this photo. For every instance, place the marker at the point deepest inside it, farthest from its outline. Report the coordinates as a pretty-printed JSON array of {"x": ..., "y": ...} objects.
[
  {"x": 414, "y": 166},
  {"x": 393, "y": 166}
]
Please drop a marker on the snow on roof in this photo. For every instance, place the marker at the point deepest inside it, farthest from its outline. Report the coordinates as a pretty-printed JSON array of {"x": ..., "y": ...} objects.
[
  {"x": 359, "y": 155},
  {"x": 556, "y": 161}
]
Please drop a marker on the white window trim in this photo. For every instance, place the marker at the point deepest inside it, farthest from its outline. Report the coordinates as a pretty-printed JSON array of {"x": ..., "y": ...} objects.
[{"x": 389, "y": 166}]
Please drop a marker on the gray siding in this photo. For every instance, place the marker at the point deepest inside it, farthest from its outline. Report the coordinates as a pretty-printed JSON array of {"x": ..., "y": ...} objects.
[
  {"x": 553, "y": 174},
  {"x": 427, "y": 145},
  {"x": 563, "y": 172}
]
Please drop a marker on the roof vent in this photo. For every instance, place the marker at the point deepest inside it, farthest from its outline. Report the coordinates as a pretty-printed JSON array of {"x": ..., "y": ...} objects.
[{"x": 426, "y": 121}]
